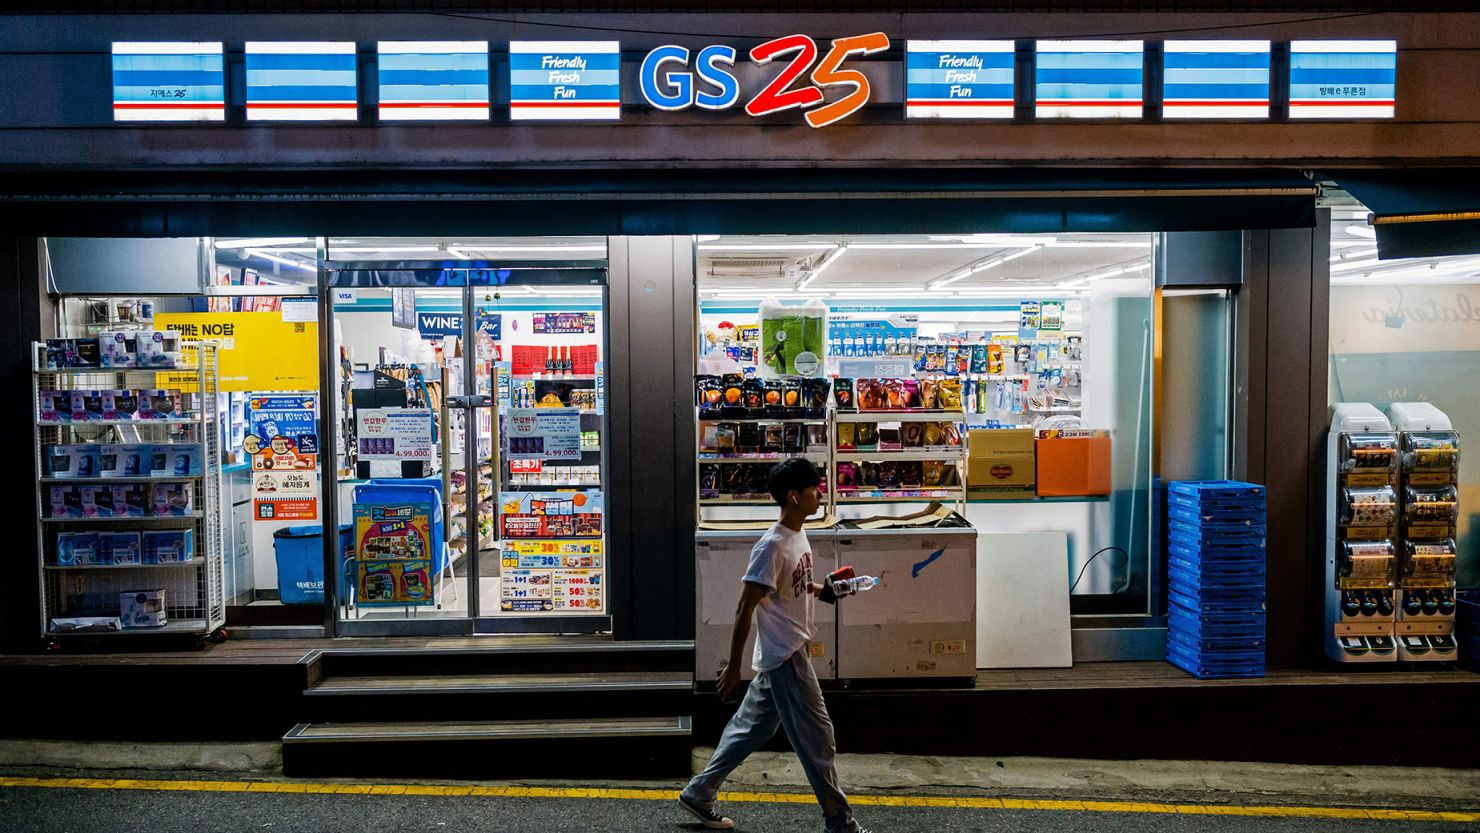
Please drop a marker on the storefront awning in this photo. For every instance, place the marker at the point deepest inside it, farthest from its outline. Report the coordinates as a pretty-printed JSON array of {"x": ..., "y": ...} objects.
[
  {"x": 1428, "y": 213},
  {"x": 642, "y": 202}
]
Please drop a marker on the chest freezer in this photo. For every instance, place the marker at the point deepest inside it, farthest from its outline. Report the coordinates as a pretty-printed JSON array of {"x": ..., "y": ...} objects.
[
  {"x": 920, "y": 622},
  {"x": 721, "y": 559}
]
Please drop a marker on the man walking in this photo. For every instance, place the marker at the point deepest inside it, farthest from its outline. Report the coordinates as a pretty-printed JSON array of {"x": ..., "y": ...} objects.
[{"x": 778, "y": 591}]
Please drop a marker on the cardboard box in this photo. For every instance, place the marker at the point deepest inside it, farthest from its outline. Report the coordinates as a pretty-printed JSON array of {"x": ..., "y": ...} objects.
[
  {"x": 1000, "y": 461},
  {"x": 1074, "y": 466},
  {"x": 142, "y": 609}
]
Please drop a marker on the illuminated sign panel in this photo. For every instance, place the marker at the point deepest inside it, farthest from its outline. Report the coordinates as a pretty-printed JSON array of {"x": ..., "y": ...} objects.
[
  {"x": 565, "y": 80},
  {"x": 1089, "y": 79},
  {"x": 1343, "y": 79},
  {"x": 169, "y": 81},
  {"x": 1216, "y": 80},
  {"x": 300, "y": 81},
  {"x": 959, "y": 79},
  {"x": 433, "y": 80}
]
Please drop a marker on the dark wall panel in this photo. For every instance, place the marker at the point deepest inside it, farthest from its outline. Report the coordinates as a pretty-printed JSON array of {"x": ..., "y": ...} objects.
[{"x": 23, "y": 319}]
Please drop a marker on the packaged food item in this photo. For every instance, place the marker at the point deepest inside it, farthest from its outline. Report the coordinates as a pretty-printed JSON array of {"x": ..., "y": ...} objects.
[
  {"x": 910, "y": 473},
  {"x": 949, "y": 397},
  {"x": 930, "y": 473},
  {"x": 870, "y": 395},
  {"x": 933, "y": 434},
  {"x": 816, "y": 437},
  {"x": 909, "y": 393},
  {"x": 771, "y": 393},
  {"x": 847, "y": 477},
  {"x": 843, "y": 394},
  {"x": 868, "y": 435},
  {"x": 711, "y": 395},
  {"x": 888, "y": 475},
  {"x": 773, "y": 439},
  {"x": 709, "y": 437},
  {"x": 733, "y": 395},
  {"x": 748, "y": 438},
  {"x": 889, "y": 439},
  {"x": 708, "y": 480},
  {"x": 893, "y": 394},
  {"x": 816, "y": 393},
  {"x": 952, "y": 433},
  {"x": 757, "y": 476},
  {"x": 950, "y": 476},
  {"x": 912, "y": 435},
  {"x": 928, "y": 388},
  {"x": 794, "y": 438},
  {"x": 733, "y": 479},
  {"x": 791, "y": 394},
  {"x": 755, "y": 396},
  {"x": 725, "y": 438},
  {"x": 848, "y": 435}
]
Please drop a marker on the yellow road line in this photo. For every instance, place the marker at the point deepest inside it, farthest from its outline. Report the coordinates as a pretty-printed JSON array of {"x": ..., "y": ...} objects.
[{"x": 964, "y": 802}]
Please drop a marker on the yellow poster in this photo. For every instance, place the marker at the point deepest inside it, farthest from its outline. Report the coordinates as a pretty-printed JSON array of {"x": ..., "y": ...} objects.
[{"x": 259, "y": 350}]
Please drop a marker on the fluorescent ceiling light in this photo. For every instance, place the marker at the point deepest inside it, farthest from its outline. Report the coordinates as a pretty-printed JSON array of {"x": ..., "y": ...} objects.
[
  {"x": 1100, "y": 244},
  {"x": 511, "y": 249},
  {"x": 1007, "y": 243},
  {"x": 980, "y": 267},
  {"x": 1108, "y": 273},
  {"x": 336, "y": 250},
  {"x": 705, "y": 238},
  {"x": 296, "y": 264},
  {"x": 1362, "y": 231},
  {"x": 832, "y": 257},
  {"x": 259, "y": 242},
  {"x": 1354, "y": 253},
  {"x": 1356, "y": 265},
  {"x": 1001, "y": 241},
  {"x": 459, "y": 253},
  {"x": 766, "y": 247}
]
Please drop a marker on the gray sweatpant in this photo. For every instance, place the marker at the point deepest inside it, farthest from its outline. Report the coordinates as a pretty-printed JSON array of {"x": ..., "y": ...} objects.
[{"x": 787, "y": 696}]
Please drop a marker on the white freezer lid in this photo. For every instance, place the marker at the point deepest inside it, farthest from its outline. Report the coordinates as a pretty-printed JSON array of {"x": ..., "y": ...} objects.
[{"x": 834, "y": 533}]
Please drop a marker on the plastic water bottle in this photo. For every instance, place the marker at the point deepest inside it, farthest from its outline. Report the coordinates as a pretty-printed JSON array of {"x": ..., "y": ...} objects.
[{"x": 857, "y": 584}]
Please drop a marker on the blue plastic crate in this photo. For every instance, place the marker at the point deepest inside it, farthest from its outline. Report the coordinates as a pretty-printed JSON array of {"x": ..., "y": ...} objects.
[
  {"x": 1206, "y": 539},
  {"x": 1214, "y": 585},
  {"x": 1215, "y": 520},
  {"x": 1222, "y": 647},
  {"x": 1216, "y": 554},
  {"x": 1216, "y": 506},
  {"x": 1214, "y": 670},
  {"x": 1208, "y": 601},
  {"x": 1212, "y": 624},
  {"x": 1216, "y": 573},
  {"x": 1217, "y": 489}
]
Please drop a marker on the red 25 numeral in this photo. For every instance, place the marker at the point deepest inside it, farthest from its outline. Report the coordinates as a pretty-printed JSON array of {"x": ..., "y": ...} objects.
[
  {"x": 776, "y": 96},
  {"x": 772, "y": 99}
]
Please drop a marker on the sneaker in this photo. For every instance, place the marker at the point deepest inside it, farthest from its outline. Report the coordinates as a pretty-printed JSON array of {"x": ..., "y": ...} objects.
[{"x": 706, "y": 816}]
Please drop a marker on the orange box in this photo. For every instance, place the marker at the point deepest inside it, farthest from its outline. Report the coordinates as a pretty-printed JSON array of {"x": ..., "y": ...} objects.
[{"x": 1074, "y": 466}]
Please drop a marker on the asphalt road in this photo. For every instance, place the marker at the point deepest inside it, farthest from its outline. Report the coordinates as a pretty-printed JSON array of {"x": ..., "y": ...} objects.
[{"x": 49, "y": 808}]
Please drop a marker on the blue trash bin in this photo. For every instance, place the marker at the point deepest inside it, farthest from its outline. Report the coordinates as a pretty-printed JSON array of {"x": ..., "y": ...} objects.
[{"x": 300, "y": 562}]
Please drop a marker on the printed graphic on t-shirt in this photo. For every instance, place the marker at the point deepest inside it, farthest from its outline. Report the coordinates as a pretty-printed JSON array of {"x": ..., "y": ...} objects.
[{"x": 801, "y": 577}]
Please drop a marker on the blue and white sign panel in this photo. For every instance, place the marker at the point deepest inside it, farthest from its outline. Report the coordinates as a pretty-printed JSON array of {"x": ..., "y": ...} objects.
[
  {"x": 433, "y": 80},
  {"x": 1089, "y": 79},
  {"x": 958, "y": 79},
  {"x": 1212, "y": 79},
  {"x": 1343, "y": 79},
  {"x": 301, "y": 81},
  {"x": 565, "y": 80},
  {"x": 169, "y": 81}
]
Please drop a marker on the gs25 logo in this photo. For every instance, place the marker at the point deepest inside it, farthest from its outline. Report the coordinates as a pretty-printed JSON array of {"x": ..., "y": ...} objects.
[{"x": 669, "y": 88}]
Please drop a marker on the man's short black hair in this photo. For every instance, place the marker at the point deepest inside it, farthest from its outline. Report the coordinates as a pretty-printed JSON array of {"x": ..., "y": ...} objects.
[{"x": 791, "y": 475}]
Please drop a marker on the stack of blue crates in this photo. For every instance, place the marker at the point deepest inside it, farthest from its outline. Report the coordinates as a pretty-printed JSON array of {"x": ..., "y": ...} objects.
[{"x": 1215, "y": 572}]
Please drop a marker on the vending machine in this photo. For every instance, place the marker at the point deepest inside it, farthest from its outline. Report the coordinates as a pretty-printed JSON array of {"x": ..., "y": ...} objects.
[
  {"x": 1429, "y": 499},
  {"x": 1361, "y": 535}
]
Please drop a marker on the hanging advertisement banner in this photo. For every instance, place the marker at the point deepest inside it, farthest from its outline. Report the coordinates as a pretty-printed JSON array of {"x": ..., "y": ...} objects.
[
  {"x": 285, "y": 496},
  {"x": 539, "y": 591},
  {"x": 545, "y": 434},
  {"x": 259, "y": 350},
  {"x": 528, "y": 515},
  {"x": 282, "y": 444},
  {"x": 552, "y": 323},
  {"x": 535, "y": 555},
  {"x": 393, "y": 553}
]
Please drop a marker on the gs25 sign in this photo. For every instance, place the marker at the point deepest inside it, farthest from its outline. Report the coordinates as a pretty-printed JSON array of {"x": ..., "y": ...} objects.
[{"x": 671, "y": 82}]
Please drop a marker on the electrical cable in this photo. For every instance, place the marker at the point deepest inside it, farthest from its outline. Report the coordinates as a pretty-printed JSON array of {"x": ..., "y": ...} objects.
[{"x": 1097, "y": 555}]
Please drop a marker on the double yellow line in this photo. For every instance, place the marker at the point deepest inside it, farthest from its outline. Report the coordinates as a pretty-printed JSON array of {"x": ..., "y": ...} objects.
[{"x": 970, "y": 803}]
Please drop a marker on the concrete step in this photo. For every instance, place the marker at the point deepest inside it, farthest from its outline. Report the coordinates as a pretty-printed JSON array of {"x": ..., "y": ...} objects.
[
  {"x": 567, "y": 683},
  {"x": 628, "y": 727},
  {"x": 505, "y": 658}
]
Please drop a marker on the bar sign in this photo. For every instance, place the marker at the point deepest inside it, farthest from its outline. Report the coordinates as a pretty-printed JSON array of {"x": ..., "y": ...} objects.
[
  {"x": 565, "y": 80},
  {"x": 169, "y": 81},
  {"x": 958, "y": 79}
]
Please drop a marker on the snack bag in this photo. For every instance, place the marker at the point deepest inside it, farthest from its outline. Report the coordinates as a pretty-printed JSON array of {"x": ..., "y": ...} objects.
[
  {"x": 847, "y": 477},
  {"x": 843, "y": 394},
  {"x": 909, "y": 393},
  {"x": 732, "y": 393},
  {"x": 928, "y": 388},
  {"x": 868, "y": 435},
  {"x": 847, "y": 435},
  {"x": 950, "y": 395}
]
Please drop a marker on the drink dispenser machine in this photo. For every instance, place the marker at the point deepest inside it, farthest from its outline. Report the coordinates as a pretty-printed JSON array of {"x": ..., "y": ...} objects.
[
  {"x": 1361, "y": 535},
  {"x": 1428, "y": 520}
]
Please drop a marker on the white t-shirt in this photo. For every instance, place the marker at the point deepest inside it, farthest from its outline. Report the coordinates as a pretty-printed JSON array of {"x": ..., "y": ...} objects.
[{"x": 781, "y": 561}]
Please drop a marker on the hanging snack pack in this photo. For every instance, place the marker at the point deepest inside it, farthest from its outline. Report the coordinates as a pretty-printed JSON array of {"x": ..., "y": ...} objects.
[
  {"x": 793, "y": 339},
  {"x": 843, "y": 394}
]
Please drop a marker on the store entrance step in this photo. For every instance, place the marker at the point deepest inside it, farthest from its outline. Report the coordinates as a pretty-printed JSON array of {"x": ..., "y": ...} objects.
[
  {"x": 583, "y": 683},
  {"x": 546, "y": 657},
  {"x": 609, "y": 747}
]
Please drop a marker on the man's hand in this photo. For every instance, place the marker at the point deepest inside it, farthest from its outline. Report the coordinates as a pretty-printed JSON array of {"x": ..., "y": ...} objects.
[{"x": 729, "y": 681}]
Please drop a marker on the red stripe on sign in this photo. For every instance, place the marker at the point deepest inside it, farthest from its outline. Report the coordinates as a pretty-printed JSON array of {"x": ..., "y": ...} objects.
[
  {"x": 308, "y": 105},
  {"x": 387, "y": 105},
  {"x": 610, "y": 104},
  {"x": 959, "y": 102},
  {"x": 1366, "y": 102},
  {"x": 1078, "y": 102},
  {"x": 1185, "y": 103},
  {"x": 168, "y": 105}
]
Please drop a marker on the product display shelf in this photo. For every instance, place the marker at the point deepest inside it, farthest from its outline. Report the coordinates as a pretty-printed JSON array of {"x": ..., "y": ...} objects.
[
  {"x": 801, "y": 420},
  {"x": 908, "y": 455},
  {"x": 192, "y": 592},
  {"x": 980, "y": 496},
  {"x": 764, "y": 457},
  {"x": 898, "y": 495},
  {"x": 953, "y": 457},
  {"x": 899, "y": 416}
]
